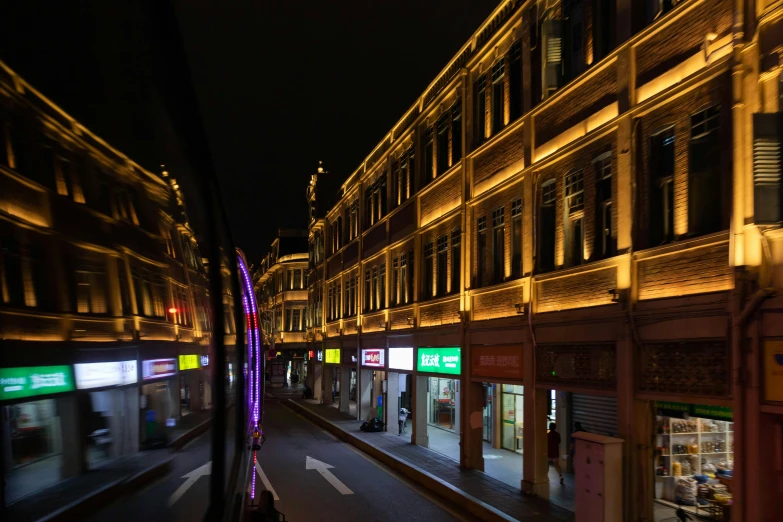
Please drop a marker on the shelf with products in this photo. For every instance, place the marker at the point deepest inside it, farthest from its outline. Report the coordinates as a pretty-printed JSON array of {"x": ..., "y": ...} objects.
[{"x": 693, "y": 446}]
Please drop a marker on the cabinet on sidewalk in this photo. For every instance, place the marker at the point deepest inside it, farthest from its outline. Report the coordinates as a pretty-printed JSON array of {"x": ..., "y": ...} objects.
[{"x": 598, "y": 469}]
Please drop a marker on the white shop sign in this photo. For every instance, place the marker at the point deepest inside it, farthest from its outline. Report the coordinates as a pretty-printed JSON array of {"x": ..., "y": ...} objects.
[
  {"x": 99, "y": 375},
  {"x": 401, "y": 359}
]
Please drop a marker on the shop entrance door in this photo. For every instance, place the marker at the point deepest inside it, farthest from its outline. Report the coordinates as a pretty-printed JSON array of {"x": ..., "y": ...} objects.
[
  {"x": 487, "y": 431},
  {"x": 442, "y": 403}
]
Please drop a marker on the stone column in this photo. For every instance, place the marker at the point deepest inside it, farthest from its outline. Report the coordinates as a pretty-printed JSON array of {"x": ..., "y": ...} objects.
[
  {"x": 317, "y": 380},
  {"x": 535, "y": 469},
  {"x": 365, "y": 395},
  {"x": 72, "y": 442},
  {"x": 328, "y": 378},
  {"x": 345, "y": 388},
  {"x": 419, "y": 435},
  {"x": 471, "y": 424}
]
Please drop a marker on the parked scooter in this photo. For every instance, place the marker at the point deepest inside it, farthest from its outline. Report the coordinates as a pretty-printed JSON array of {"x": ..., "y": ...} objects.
[{"x": 373, "y": 425}]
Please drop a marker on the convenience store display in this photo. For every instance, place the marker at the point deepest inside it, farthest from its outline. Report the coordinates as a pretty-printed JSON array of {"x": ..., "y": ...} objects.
[{"x": 694, "y": 462}]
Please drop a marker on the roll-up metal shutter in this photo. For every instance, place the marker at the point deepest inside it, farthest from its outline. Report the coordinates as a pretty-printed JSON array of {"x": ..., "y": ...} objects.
[{"x": 596, "y": 413}]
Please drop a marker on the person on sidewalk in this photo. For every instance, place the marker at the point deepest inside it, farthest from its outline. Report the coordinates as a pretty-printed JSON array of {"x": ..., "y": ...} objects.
[
  {"x": 553, "y": 449},
  {"x": 403, "y": 419}
]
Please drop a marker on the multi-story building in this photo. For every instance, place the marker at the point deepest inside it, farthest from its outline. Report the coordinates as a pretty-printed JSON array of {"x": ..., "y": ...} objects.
[
  {"x": 281, "y": 289},
  {"x": 577, "y": 221},
  {"x": 104, "y": 312}
]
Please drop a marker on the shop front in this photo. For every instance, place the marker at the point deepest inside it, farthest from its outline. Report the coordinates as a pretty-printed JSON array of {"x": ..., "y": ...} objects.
[
  {"x": 109, "y": 407},
  {"x": 39, "y": 437},
  {"x": 159, "y": 404},
  {"x": 330, "y": 376},
  {"x": 371, "y": 378},
  {"x": 400, "y": 391},
  {"x": 694, "y": 457},
  {"x": 194, "y": 391},
  {"x": 441, "y": 367},
  {"x": 499, "y": 369}
]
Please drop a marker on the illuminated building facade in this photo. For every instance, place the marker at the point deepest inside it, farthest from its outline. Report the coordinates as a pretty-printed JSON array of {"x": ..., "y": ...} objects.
[
  {"x": 586, "y": 202},
  {"x": 104, "y": 312},
  {"x": 281, "y": 289}
]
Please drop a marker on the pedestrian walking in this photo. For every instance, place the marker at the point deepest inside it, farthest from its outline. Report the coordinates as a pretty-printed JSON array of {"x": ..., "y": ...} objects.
[
  {"x": 403, "y": 419},
  {"x": 553, "y": 449}
]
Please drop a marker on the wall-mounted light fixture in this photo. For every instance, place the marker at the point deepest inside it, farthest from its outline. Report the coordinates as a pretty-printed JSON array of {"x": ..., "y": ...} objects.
[
  {"x": 615, "y": 295},
  {"x": 520, "y": 308}
]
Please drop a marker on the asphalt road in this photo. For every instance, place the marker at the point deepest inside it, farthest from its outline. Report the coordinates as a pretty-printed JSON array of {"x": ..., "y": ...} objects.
[{"x": 305, "y": 495}]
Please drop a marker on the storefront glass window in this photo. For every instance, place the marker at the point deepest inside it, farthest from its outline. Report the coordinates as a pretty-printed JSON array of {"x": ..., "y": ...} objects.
[
  {"x": 513, "y": 404},
  {"x": 441, "y": 405},
  {"x": 35, "y": 436},
  {"x": 694, "y": 462}
]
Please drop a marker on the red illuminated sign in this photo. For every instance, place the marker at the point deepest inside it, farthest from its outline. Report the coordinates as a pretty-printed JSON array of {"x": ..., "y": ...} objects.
[
  {"x": 374, "y": 358},
  {"x": 502, "y": 361}
]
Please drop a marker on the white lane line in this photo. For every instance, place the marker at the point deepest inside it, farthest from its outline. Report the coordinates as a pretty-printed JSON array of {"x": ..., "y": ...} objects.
[{"x": 266, "y": 482}]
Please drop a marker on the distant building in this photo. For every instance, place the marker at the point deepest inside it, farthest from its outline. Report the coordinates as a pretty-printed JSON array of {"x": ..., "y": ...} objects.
[
  {"x": 579, "y": 221},
  {"x": 281, "y": 287},
  {"x": 104, "y": 307}
]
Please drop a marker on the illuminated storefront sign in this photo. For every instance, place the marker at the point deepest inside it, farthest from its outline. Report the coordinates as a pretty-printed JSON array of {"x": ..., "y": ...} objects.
[
  {"x": 439, "y": 360},
  {"x": 374, "y": 358},
  {"x": 502, "y": 361},
  {"x": 205, "y": 360},
  {"x": 401, "y": 359},
  {"x": 320, "y": 354},
  {"x": 332, "y": 356},
  {"x": 189, "y": 362},
  {"x": 157, "y": 368},
  {"x": 98, "y": 375},
  {"x": 16, "y": 383}
]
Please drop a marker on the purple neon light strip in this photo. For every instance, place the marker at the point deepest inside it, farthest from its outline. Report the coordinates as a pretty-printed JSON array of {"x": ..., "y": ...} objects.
[{"x": 251, "y": 311}]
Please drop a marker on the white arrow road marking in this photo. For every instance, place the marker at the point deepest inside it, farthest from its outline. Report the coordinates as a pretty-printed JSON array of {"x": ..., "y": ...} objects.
[
  {"x": 192, "y": 477},
  {"x": 323, "y": 468},
  {"x": 265, "y": 480}
]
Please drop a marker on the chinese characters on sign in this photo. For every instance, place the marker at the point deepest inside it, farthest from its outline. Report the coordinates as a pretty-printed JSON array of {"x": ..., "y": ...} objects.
[
  {"x": 188, "y": 362},
  {"x": 439, "y": 360},
  {"x": 332, "y": 356},
  {"x": 502, "y": 361},
  {"x": 157, "y": 368},
  {"x": 98, "y": 375},
  {"x": 373, "y": 358},
  {"x": 36, "y": 380}
]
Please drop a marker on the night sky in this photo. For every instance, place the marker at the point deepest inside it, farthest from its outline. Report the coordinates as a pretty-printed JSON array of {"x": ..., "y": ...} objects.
[{"x": 282, "y": 84}]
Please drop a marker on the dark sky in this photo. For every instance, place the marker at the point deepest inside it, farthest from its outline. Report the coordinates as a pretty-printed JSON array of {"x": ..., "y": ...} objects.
[{"x": 281, "y": 85}]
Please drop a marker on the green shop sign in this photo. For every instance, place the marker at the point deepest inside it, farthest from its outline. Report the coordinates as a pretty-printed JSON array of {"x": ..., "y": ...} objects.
[
  {"x": 680, "y": 409},
  {"x": 16, "y": 383},
  {"x": 439, "y": 360}
]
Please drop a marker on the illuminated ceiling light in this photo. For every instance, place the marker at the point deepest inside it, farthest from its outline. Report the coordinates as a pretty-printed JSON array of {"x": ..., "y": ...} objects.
[{"x": 172, "y": 310}]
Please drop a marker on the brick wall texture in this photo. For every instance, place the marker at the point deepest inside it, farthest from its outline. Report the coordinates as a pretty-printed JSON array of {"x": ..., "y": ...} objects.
[
  {"x": 695, "y": 271},
  {"x": 576, "y": 291},
  {"x": 498, "y": 303},
  {"x": 599, "y": 91},
  {"x": 440, "y": 313},
  {"x": 499, "y": 155},
  {"x": 447, "y": 195},
  {"x": 683, "y": 39}
]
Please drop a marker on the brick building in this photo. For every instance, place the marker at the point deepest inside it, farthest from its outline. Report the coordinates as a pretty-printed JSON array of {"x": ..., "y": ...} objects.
[
  {"x": 104, "y": 307},
  {"x": 584, "y": 209}
]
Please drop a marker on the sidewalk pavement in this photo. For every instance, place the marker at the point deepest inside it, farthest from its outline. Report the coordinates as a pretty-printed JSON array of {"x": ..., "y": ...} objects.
[
  {"x": 474, "y": 491},
  {"x": 87, "y": 492}
]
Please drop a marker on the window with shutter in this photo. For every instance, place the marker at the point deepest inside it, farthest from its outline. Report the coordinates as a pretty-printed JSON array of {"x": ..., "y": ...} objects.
[
  {"x": 766, "y": 167},
  {"x": 553, "y": 56}
]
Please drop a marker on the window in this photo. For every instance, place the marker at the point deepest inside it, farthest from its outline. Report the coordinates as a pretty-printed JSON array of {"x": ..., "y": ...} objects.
[
  {"x": 456, "y": 258},
  {"x": 288, "y": 319},
  {"x": 404, "y": 277},
  {"x": 546, "y": 233},
  {"x": 298, "y": 279},
  {"x": 375, "y": 201},
  {"x": 296, "y": 325},
  {"x": 338, "y": 300},
  {"x": 443, "y": 265},
  {"x": 150, "y": 292},
  {"x": 498, "y": 115},
  {"x": 480, "y": 90},
  {"x": 661, "y": 199},
  {"x": 354, "y": 220},
  {"x": 443, "y": 144},
  {"x": 498, "y": 243},
  {"x": 657, "y": 8},
  {"x": 91, "y": 287},
  {"x": 374, "y": 301},
  {"x": 367, "y": 294},
  {"x": 516, "y": 238},
  {"x": 515, "y": 80},
  {"x": 767, "y": 166},
  {"x": 604, "y": 243},
  {"x": 330, "y": 304},
  {"x": 704, "y": 180},
  {"x": 429, "y": 136},
  {"x": 429, "y": 268},
  {"x": 382, "y": 286},
  {"x": 411, "y": 271},
  {"x": 575, "y": 201},
  {"x": 401, "y": 177},
  {"x": 395, "y": 282},
  {"x": 481, "y": 258},
  {"x": 347, "y": 301},
  {"x": 456, "y": 132},
  {"x": 552, "y": 51}
]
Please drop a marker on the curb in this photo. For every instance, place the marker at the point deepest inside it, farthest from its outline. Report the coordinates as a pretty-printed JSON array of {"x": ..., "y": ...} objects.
[
  {"x": 178, "y": 443},
  {"x": 438, "y": 486},
  {"x": 88, "y": 504}
]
